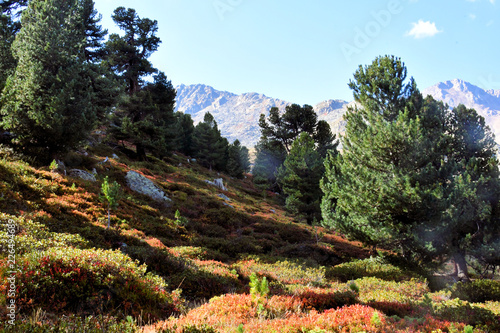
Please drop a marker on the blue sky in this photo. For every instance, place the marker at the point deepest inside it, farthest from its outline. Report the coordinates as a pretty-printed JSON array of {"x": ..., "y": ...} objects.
[{"x": 306, "y": 51}]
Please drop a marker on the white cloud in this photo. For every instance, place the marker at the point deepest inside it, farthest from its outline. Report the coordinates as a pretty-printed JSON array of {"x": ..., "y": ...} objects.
[
  {"x": 423, "y": 29},
  {"x": 472, "y": 16}
]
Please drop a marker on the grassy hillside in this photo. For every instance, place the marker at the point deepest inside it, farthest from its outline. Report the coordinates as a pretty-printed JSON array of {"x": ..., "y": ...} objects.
[{"x": 198, "y": 272}]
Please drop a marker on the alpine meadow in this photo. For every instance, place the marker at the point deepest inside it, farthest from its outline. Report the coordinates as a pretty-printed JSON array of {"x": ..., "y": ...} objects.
[{"x": 129, "y": 204}]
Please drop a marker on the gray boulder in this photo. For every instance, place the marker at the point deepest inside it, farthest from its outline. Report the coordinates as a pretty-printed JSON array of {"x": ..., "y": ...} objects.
[
  {"x": 82, "y": 174},
  {"x": 217, "y": 183},
  {"x": 223, "y": 197},
  {"x": 140, "y": 184}
]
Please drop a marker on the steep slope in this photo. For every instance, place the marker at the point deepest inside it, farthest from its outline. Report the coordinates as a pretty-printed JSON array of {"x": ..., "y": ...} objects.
[{"x": 160, "y": 267}]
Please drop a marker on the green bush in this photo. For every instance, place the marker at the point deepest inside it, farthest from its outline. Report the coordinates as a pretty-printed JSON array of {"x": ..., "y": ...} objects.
[
  {"x": 456, "y": 310},
  {"x": 477, "y": 291},
  {"x": 200, "y": 253},
  {"x": 371, "y": 267},
  {"x": 283, "y": 270},
  {"x": 34, "y": 236},
  {"x": 73, "y": 324},
  {"x": 372, "y": 289},
  {"x": 91, "y": 280}
]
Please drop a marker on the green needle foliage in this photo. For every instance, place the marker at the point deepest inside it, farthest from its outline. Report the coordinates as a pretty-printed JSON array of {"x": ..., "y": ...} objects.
[
  {"x": 210, "y": 147},
  {"x": 413, "y": 176},
  {"x": 299, "y": 178},
  {"x": 278, "y": 132},
  {"x": 47, "y": 101},
  {"x": 111, "y": 195},
  {"x": 238, "y": 160},
  {"x": 258, "y": 287}
]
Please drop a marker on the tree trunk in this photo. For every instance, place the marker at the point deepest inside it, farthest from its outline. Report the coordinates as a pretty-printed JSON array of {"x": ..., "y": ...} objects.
[{"x": 461, "y": 271}]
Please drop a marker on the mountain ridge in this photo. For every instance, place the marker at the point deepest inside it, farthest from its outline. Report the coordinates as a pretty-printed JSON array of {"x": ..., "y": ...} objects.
[
  {"x": 238, "y": 114},
  {"x": 197, "y": 99}
]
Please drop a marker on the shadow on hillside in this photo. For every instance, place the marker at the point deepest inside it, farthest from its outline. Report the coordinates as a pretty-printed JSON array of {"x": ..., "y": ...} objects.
[
  {"x": 15, "y": 194},
  {"x": 196, "y": 282}
]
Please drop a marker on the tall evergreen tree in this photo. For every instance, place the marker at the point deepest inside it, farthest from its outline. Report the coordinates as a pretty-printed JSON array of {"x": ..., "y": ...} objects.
[
  {"x": 238, "y": 161},
  {"x": 474, "y": 220},
  {"x": 128, "y": 55},
  {"x": 270, "y": 155},
  {"x": 146, "y": 118},
  {"x": 325, "y": 139},
  {"x": 9, "y": 27},
  {"x": 210, "y": 147},
  {"x": 146, "y": 115},
  {"x": 278, "y": 132},
  {"x": 47, "y": 102},
  {"x": 184, "y": 129},
  {"x": 286, "y": 128},
  {"x": 399, "y": 181},
  {"x": 299, "y": 177},
  {"x": 105, "y": 85}
]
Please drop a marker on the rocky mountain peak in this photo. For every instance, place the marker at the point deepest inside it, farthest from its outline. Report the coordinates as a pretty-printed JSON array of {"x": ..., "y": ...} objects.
[{"x": 238, "y": 115}]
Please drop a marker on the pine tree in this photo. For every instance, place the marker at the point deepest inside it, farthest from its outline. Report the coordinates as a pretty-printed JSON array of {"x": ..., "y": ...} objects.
[
  {"x": 270, "y": 155},
  {"x": 238, "y": 160},
  {"x": 402, "y": 180},
  {"x": 245, "y": 159},
  {"x": 128, "y": 55},
  {"x": 184, "y": 129},
  {"x": 47, "y": 102},
  {"x": 146, "y": 118},
  {"x": 474, "y": 220},
  {"x": 105, "y": 85},
  {"x": 278, "y": 133},
  {"x": 9, "y": 27},
  {"x": 299, "y": 178},
  {"x": 325, "y": 139},
  {"x": 210, "y": 147}
]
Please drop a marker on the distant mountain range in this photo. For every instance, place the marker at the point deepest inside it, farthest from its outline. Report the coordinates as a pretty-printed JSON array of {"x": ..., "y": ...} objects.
[{"x": 238, "y": 115}]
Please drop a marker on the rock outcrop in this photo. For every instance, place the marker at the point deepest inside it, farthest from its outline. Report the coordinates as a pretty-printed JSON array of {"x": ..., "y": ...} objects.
[
  {"x": 217, "y": 183},
  {"x": 140, "y": 184},
  {"x": 82, "y": 174}
]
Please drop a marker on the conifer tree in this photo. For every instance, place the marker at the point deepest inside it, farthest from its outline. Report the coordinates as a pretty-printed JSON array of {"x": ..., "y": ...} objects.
[
  {"x": 270, "y": 155},
  {"x": 105, "y": 85},
  {"x": 299, "y": 177},
  {"x": 47, "y": 101},
  {"x": 402, "y": 180},
  {"x": 146, "y": 118},
  {"x": 238, "y": 160},
  {"x": 128, "y": 55},
  {"x": 325, "y": 139},
  {"x": 210, "y": 147},
  {"x": 184, "y": 128},
  {"x": 474, "y": 219},
  {"x": 278, "y": 132},
  {"x": 245, "y": 159},
  {"x": 9, "y": 27}
]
